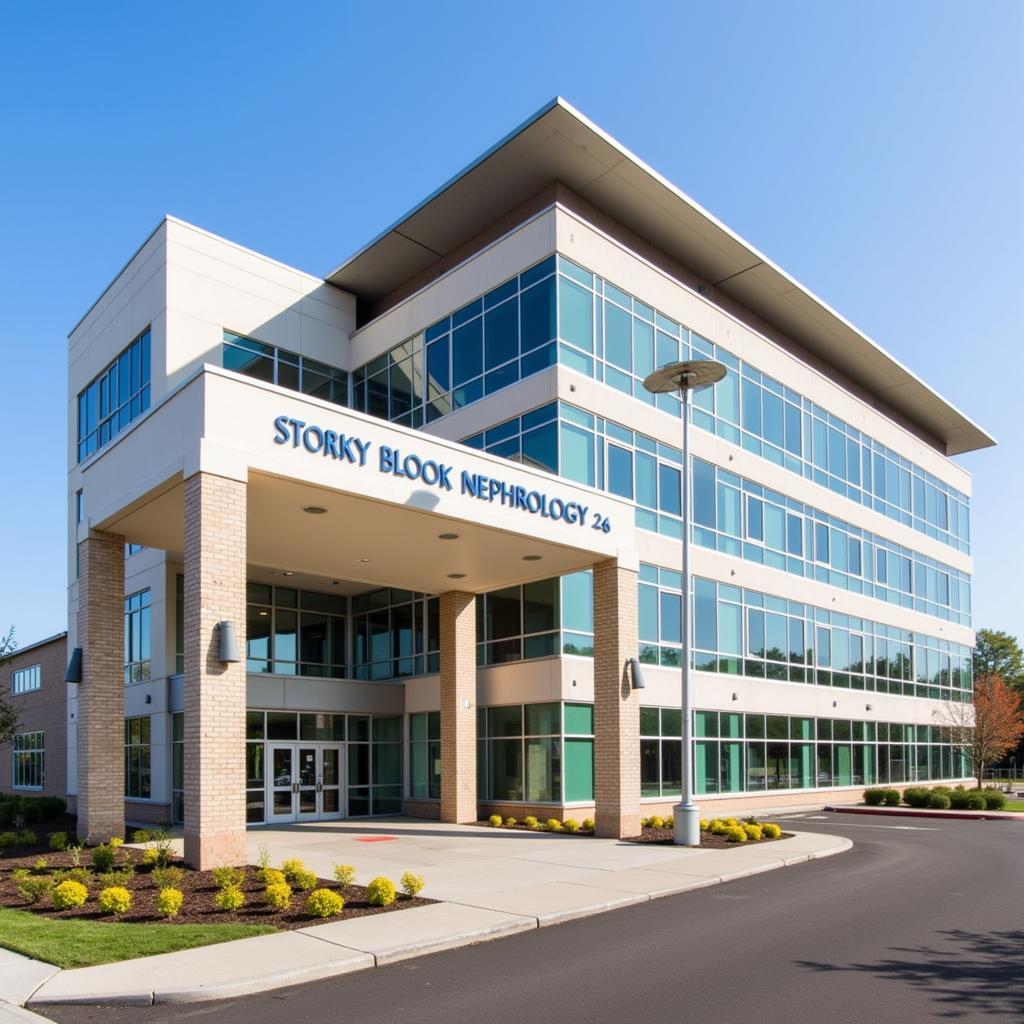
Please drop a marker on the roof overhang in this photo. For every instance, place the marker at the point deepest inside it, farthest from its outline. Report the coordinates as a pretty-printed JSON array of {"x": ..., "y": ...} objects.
[{"x": 559, "y": 144}]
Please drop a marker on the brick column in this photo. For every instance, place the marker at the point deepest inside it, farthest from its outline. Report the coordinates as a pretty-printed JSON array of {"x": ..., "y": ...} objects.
[
  {"x": 215, "y": 538},
  {"x": 458, "y": 707},
  {"x": 101, "y": 693},
  {"x": 616, "y": 705}
]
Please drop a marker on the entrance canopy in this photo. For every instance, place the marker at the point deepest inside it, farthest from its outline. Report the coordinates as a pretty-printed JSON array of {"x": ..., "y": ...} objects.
[{"x": 336, "y": 494}]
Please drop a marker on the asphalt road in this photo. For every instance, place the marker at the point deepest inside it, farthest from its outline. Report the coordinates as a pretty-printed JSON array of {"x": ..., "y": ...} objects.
[{"x": 923, "y": 920}]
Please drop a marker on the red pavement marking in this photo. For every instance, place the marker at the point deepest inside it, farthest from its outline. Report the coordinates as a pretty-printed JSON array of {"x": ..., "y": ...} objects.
[{"x": 375, "y": 839}]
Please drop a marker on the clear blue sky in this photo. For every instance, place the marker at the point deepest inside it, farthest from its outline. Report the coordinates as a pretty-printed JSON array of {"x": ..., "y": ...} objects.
[{"x": 873, "y": 149}]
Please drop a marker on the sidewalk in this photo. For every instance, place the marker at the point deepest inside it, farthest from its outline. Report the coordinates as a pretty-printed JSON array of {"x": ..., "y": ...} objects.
[{"x": 491, "y": 882}]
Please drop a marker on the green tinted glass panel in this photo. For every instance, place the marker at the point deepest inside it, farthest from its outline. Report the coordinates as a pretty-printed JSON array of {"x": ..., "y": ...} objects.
[
  {"x": 579, "y": 769},
  {"x": 579, "y": 719}
]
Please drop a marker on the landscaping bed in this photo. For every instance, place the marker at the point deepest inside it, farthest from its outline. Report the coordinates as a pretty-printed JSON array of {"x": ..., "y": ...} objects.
[
  {"x": 708, "y": 840},
  {"x": 198, "y": 888}
]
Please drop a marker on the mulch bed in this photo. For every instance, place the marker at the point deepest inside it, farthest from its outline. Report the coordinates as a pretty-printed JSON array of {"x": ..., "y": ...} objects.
[
  {"x": 198, "y": 888},
  {"x": 520, "y": 827},
  {"x": 708, "y": 841}
]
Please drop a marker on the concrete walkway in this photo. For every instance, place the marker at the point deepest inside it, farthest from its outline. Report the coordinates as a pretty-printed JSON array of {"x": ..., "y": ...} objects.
[{"x": 491, "y": 882}]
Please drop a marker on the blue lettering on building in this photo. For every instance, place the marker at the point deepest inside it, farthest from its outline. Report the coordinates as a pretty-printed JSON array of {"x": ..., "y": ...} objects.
[{"x": 354, "y": 450}]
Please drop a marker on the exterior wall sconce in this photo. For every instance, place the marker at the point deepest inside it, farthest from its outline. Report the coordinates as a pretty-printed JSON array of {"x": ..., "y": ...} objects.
[
  {"x": 869, "y": 707},
  {"x": 636, "y": 675},
  {"x": 735, "y": 696},
  {"x": 228, "y": 643},
  {"x": 74, "y": 671}
]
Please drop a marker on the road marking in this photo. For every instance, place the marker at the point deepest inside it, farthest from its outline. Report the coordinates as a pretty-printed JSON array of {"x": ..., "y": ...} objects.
[{"x": 902, "y": 828}]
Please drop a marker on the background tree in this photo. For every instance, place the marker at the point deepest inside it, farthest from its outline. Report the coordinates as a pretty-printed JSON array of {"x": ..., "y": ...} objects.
[
  {"x": 999, "y": 654},
  {"x": 8, "y": 716},
  {"x": 987, "y": 729}
]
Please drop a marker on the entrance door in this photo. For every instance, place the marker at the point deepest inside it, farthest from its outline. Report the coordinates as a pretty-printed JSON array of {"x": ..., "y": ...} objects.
[
  {"x": 283, "y": 782},
  {"x": 305, "y": 782}
]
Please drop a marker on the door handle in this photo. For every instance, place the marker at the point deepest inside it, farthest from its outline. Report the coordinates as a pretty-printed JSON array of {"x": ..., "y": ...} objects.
[{"x": 295, "y": 787}]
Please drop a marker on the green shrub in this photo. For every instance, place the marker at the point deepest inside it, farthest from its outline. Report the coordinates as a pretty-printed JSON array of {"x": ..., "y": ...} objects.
[
  {"x": 228, "y": 877},
  {"x": 115, "y": 900},
  {"x": 645, "y": 822},
  {"x": 976, "y": 801},
  {"x": 345, "y": 874},
  {"x": 916, "y": 796},
  {"x": 26, "y": 837},
  {"x": 8, "y": 839},
  {"x": 553, "y": 825},
  {"x": 381, "y": 891},
  {"x": 994, "y": 799},
  {"x": 68, "y": 895},
  {"x": 669, "y": 822},
  {"x": 263, "y": 859},
  {"x": 770, "y": 830},
  {"x": 587, "y": 824},
  {"x": 151, "y": 856},
  {"x": 140, "y": 835},
  {"x": 169, "y": 901},
  {"x": 324, "y": 903},
  {"x": 32, "y": 890},
  {"x": 735, "y": 834},
  {"x": 102, "y": 858},
  {"x": 58, "y": 841},
  {"x": 891, "y": 798},
  {"x": 495, "y": 821},
  {"x": 657, "y": 821},
  {"x": 270, "y": 876},
  {"x": 116, "y": 842},
  {"x": 230, "y": 898},
  {"x": 304, "y": 880},
  {"x": 117, "y": 877},
  {"x": 958, "y": 798},
  {"x": 82, "y": 875},
  {"x": 168, "y": 878},
  {"x": 718, "y": 827},
  {"x": 571, "y": 825},
  {"x": 754, "y": 832},
  {"x": 278, "y": 895},
  {"x": 530, "y": 821},
  {"x": 40, "y": 865},
  {"x": 290, "y": 867},
  {"x": 412, "y": 884},
  {"x": 873, "y": 797},
  {"x": 939, "y": 801}
]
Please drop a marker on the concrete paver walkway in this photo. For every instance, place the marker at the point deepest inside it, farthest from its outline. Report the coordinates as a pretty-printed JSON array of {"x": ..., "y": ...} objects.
[{"x": 491, "y": 883}]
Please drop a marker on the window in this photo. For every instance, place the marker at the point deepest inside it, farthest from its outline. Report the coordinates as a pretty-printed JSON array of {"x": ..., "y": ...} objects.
[
  {"x": 287, "y": 369},
  {"x": 137, "y": 755},
  {"x": 661, "y": 746},
  {"x": 79, "y": 507},
  {"x": 28, "y": 769},
  {"x": 295, "y": 632},
  {"x": 24, "y": 680},
  {"x": 519, "y": 754},
  {"x": 616, "y": 339},
  {"x": 395, "y": 634},
  {"x": 133, "y": 549},
  {"x": 137, "y": 637},
  {"x": 119, "y": 395},
  {"x": 486, "y": 345},
  {"x": 518, "y": 623},
  {"x": 425, "y": 755},
  {"x": 177, "y": 768}
]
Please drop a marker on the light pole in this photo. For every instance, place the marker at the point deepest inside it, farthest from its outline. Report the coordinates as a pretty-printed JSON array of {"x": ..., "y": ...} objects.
[{"x": 685, "y": 377}]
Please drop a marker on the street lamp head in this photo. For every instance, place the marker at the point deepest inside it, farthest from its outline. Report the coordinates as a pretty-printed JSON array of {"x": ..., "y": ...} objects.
[{"x": 691, "y": 375}]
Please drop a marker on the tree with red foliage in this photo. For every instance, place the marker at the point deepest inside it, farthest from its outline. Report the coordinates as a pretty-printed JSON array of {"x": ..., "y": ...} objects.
[{"x": 990, "y": 727}]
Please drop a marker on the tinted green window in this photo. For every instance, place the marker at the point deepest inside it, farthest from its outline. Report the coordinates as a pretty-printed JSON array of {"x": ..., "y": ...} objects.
[
  {"x": 577, "y": 454},
  {"x": 579, "y": 769},
  {"x": 578, "y": 602},
  {"x": 579, "y": 719}
]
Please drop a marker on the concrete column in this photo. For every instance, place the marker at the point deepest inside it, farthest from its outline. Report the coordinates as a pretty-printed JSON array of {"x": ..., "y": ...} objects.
[
  {"x": 616, "y": 704},
  {"x": 101, "y": 693},
  {"x": 458, "y": 707},
  {"x": 215, "y": 539}
]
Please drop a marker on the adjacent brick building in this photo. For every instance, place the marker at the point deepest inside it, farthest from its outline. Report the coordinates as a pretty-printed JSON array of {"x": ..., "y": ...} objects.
[{"x": 35, "y": 762}]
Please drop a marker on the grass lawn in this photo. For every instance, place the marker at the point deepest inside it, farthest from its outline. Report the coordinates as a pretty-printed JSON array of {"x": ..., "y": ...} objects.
[
  {"x": 85, "y": 943},
  {"x": 1014, "y": 805}
]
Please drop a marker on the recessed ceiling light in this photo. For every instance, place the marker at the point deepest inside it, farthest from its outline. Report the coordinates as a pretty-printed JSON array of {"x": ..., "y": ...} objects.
[
  {"x": 264, "y": 613},
  {"x": 334, "y": 583},
  {"x": 314, "y": 510},
  {"x": 456, "y": 575},
  {"x": 363, "y": 559},
  {"x": 532, "y": 558},
  {"x": 447, "y": 536},
  {"x": 287, "y": 573}
]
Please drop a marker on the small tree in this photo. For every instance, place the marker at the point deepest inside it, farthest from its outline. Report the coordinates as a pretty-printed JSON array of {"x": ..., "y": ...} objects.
[
  {"x": 987, "y": 729},
  {"x": 8, "y": 716}
]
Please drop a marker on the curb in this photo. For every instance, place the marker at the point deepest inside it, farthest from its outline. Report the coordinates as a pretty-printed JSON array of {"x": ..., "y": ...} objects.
[
  {"x": 914, "y": 812},
  {"x": 349, "y": 959}
]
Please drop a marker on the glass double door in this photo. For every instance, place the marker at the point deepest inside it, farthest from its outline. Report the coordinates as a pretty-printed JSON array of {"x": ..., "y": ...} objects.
[{"x": 305, "y": 782}]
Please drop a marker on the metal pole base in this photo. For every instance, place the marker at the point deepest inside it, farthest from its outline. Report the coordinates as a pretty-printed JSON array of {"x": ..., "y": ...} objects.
[{"x": 686, "y": 825}]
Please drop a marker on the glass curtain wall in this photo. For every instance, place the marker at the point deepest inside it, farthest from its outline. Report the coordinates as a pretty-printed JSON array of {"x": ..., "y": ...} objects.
[{"x": 286, "y": 369}]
